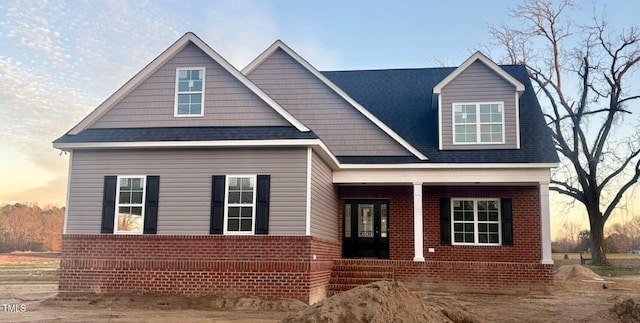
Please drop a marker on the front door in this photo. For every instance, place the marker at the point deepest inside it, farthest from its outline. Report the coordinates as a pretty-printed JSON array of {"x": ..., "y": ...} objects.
[{"x": 366, "y": 229}]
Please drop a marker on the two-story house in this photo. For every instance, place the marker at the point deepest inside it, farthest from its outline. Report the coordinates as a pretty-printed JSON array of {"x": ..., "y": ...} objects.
[{"x": 281, "y": 181}]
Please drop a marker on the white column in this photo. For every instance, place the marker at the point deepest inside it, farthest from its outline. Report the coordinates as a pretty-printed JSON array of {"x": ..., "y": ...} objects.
[
  {"x": 417, "y": 223},
  {"x": 545, "y": 224}
]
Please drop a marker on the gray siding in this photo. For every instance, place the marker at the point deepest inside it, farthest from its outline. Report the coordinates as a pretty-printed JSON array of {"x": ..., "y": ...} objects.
[
  {"x": 185, "y": 185},
  {"x": 342, "y": 128},
  {"x": 227, "y": 101},
  {"x": 478, "y": 83},
  {"x": 324, "y": 201}
]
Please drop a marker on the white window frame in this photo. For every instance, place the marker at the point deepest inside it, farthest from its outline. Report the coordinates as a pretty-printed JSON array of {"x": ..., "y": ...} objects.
[
  {"x": 177, "y": 92},
  {"x": 478, "y": 124},
  {"x": 475, "y": 222},
  {"x": 118, "y": 205},
  {"x": 227, "y": 205}
]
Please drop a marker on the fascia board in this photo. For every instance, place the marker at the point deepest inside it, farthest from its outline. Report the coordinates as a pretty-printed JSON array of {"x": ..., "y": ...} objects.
[{"x": 484, "y": 59}]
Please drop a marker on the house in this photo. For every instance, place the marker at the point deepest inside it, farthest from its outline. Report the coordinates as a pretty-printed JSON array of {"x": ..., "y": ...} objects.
[{"x": 281, "y": 181}]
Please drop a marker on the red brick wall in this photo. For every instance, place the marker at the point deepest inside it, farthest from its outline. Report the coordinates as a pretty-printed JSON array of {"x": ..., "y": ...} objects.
[
  {"x": 526, "y": 246},
  {"x": 264, "y": 266}
]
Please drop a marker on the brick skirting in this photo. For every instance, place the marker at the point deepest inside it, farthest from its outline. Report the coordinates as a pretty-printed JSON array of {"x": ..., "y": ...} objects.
[
  {"x": 464, "y": 276},
  {"x": 270, "y": 267}
]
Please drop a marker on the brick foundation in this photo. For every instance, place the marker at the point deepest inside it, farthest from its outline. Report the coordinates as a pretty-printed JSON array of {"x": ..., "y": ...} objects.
[
  {"x": 270, "y": 267},
  {"x": 300, "y": 267}
]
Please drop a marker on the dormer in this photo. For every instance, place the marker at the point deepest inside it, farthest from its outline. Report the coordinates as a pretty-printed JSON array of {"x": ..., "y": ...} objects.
[{"x": 478, "y": 107}]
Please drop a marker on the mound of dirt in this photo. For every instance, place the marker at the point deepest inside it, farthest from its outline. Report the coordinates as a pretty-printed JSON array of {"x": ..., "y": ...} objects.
[
  {"x": 378, "y": 302},
  {"x": 626, "y": 311},
  {"x": 574, "y": 272}
]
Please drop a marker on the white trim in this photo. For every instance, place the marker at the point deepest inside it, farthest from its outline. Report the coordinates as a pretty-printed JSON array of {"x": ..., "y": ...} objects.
[
  {"x": 478, "y": 123},
  {"x": 203, "y": 70},
  {"x": 450, "y": 176},
  {"x": 226, "y": 206},
  {"x": 418, "y": 225},
  {"x": 478, "y": 56},
  {"x": 545, "y": 224},
  {"x": 450, "y": 166},
  {"x": 68, "y": 199},
  {"x": 475, "y": 222},
  {"x": 279, "y": 44},
  {"x": 184, "y": 144},
  {"x": 117, "y": 206},
  {"x": 308, "y": 206},
  {"x": 158, "y": 62},
  {"x": 517, "y": 121},
  {"x": 439, "y": 121}
]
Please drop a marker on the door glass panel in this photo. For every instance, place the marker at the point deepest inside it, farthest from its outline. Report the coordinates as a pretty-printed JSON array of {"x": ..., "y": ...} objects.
[
  {"x": 383, "y": 220},
  {"x": 365, "y": 220},
  {"x": 347, "y": 220}
]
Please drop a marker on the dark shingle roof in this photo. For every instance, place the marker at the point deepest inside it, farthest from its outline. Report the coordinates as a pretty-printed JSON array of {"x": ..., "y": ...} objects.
[
  {"x": 185, "y": 134},
  {"x": 403, "y": 100}
]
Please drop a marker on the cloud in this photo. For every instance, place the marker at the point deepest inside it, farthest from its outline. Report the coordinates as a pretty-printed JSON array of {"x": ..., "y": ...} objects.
[{"x": 52, "y": 192}]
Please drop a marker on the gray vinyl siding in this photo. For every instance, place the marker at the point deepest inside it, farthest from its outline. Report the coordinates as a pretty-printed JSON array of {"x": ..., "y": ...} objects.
[
  {"x": 478, "y": 83},
  {"x": 185, "y": 185},
  {"x": 227, "y": 101},
  {"x": 340, "y": 126},
  {"x": 324, "y": 201}
]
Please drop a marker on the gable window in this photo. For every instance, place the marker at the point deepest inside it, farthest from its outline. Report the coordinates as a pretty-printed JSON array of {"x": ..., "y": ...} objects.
[
  {"x": 189, "y": 92},
  {"x": 478, "y": 123},
  {"x": 476, "y": 221},
  {"x": 240, "y": 204}
]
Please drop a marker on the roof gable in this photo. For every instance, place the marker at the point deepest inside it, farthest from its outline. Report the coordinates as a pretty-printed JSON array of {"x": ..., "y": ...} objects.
[
  {"x": 478, "y": 56},
  {"x": 162, "y": 59},
  {"x": 279, "y": 45}
]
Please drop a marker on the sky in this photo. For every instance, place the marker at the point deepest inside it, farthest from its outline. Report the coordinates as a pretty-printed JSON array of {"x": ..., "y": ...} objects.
[{"x": 60, "y": 59}]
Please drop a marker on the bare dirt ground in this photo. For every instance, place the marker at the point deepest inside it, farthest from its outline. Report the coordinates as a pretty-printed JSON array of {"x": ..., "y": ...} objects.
[{"x": 577, "y": 296}]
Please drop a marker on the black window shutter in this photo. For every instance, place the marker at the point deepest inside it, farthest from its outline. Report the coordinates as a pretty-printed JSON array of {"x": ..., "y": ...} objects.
[
  {"x": 217, "y": 204},
  {"x": 151, "y": 205},
  {"x": 507, "y": 221},
  {"x": 108, "y": 204},
  {"x": 262, "y": 204},
  {"x": 445, "y": 221}
]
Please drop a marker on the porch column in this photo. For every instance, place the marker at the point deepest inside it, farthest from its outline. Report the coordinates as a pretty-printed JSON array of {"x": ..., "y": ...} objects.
[
  {"x": 545, "y": 223},
  {"x": 417, "y": 223}
]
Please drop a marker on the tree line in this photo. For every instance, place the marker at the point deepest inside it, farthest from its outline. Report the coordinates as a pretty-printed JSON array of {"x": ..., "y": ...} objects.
[
  {"x": 29, "y": 227},
  {"x": 619, "y": 238}
]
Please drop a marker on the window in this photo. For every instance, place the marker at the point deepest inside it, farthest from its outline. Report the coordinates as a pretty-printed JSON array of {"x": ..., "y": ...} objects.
[
  {"x": 240, "y": 204},
  {"x": 478, "y": 123},
  {"x": 476, "y": 221},
  {"x": 189, "y": 92},
  {"x": 130, "y": 204}
]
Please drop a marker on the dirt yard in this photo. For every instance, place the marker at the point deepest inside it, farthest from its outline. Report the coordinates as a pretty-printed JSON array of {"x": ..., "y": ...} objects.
[{"x": 577, "y": 296}]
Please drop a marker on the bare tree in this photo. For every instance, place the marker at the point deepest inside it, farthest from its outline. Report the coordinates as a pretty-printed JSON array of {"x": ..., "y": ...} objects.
[{"x": 582, "y": 77}]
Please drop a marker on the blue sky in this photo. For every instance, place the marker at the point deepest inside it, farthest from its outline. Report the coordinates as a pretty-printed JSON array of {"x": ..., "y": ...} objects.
[{"x": 60, "y": 59}]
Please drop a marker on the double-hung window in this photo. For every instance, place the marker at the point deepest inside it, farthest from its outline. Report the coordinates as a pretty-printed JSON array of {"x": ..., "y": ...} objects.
[
  {"x": 240, "y": 209},
  {"x": 478, "y": 123},
  {"x": 476, "y": 221},
  {"x": 130, "y": 204},
  {"x": 189, "y": 101}
]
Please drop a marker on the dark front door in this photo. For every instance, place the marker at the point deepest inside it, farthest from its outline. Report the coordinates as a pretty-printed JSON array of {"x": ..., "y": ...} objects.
[{"x": 366, "y": 229}]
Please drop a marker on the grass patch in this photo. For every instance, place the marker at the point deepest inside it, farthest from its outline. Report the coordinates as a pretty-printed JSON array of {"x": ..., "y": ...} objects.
[{"x": 614, "y": 271}]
